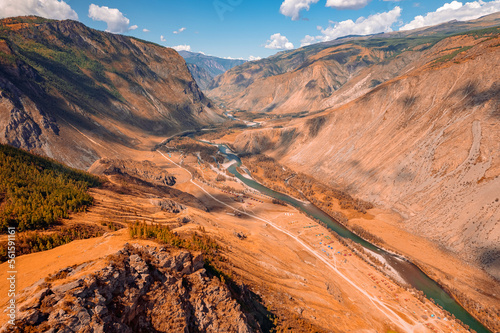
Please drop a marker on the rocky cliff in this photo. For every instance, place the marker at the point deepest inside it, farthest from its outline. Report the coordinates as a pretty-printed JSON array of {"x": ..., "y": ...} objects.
[
  {"x": 205, "y": 68},
  {"x": 201, "y": 75},
  {"x": 77, "y": 94},
  {"x": 138, "y": 289}
]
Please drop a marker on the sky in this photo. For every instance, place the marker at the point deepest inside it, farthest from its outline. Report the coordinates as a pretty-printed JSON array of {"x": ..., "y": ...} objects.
[{"x": 249, "y": 29}]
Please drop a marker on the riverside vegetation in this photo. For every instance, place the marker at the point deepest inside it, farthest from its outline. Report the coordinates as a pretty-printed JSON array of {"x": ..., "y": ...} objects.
[{"x": 266, "y": 169}]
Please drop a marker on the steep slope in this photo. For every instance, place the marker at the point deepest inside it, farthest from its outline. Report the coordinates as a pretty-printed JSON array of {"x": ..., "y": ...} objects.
[
  {"x": 326, "y": 75},
  {"x": 202, "y": 77},
  {"x": 77, "y": 94},
  {"x": 425, "y": 144},
  {"x": 205, "y": 68}
]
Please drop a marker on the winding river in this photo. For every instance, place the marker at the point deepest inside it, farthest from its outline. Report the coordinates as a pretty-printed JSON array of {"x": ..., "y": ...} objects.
[{"x": 409, "y": 272}]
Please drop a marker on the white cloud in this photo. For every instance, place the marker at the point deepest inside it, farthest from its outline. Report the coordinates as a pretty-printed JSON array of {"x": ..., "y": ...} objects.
[
  {"x": 347, "y": 4},
  {"x": 135, "y": 26},
  {"x": 278, "y": 42},
  {"x": 252, "y": 58},
  {"x": 307, "y": 40},
  {"x": 162, "y": 38},
  {"x": 182, "y": 48},
  {"x": 292, "y": 8},
  {"x": 454, "y": 10},
  {"x": 53, "y": 9},
  {"x": 116, "y": 21},
  {"x": 145, "y": 30},
  {"x": 373, "y": 24},
  {"x": 179, "y": 31}
]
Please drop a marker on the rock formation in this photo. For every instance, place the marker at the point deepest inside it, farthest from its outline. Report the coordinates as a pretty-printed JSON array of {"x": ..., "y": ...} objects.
[
  {"x": 139, "y": 289},
  {"x": 144, "y": 170}
]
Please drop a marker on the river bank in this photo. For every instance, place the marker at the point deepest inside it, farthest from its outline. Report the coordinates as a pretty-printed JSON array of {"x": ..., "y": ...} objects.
[
  {"x": 290, "y": 254},
  {"x": 411, "y": 273},
  {"x": 438, "y": 294}
]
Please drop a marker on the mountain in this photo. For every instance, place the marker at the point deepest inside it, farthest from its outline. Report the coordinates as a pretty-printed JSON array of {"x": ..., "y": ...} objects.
[
  {"x": 201, "y": 75},
  {"x": 205, "y": 68},
  {"x": 394, "y": 136},
  {"x": 414, "y": 130},
  {"x": 78, "y": 94},
  {"x": 329, "y": 74}
]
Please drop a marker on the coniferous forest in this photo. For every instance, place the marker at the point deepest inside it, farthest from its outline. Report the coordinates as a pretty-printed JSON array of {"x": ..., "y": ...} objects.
[{"x": 35, "y": 192}]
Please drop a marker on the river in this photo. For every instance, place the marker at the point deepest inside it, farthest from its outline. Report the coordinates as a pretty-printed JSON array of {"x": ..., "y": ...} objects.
[{"x": 409, "y": 272}]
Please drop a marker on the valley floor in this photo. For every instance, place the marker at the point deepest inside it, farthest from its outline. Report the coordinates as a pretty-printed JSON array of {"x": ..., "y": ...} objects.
[{"x": 288, "y": 259}]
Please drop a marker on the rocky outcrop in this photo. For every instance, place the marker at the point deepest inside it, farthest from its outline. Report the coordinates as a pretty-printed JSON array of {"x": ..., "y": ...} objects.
[
  {"x": 170, "y": 206},
  {"x": 145, "y": 177},
  {"x": 145, "y": 170},
  {"x": 140, "y": 289}
]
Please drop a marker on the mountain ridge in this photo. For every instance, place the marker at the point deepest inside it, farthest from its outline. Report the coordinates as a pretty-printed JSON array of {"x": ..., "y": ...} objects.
[
  {"x": 287, "y": 83},
  {"x": 63, "y": 81},
  {"x": 423, "y": 144},
  {"x": 205, "y": 68}
]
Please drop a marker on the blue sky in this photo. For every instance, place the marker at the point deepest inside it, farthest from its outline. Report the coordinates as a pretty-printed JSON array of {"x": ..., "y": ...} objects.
[{"x": 249, "y": 28}]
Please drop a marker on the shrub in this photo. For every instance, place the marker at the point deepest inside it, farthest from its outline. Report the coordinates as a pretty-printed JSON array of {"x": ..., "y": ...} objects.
[{"x": 164, "y": 235}]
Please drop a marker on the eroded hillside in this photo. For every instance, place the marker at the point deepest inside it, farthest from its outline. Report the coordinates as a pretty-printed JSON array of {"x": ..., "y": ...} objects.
[
  {"x": 425, "y": 144},
  {"x": 77, "y": 94},
  {"x": 326, "y": 75}
]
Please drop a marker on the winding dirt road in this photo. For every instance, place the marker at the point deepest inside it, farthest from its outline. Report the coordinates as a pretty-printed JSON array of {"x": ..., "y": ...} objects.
[{"x": 381, "y": 306}]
